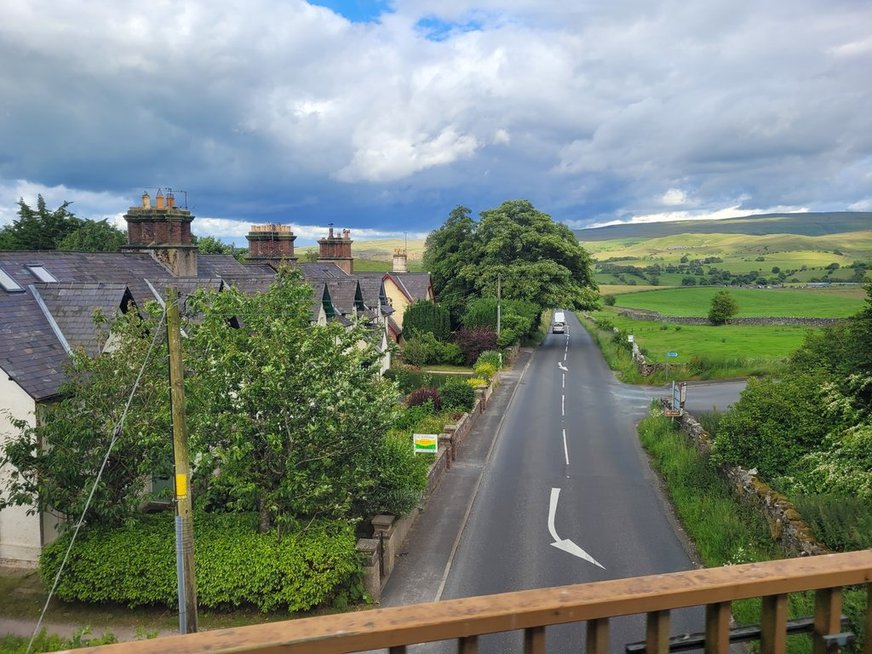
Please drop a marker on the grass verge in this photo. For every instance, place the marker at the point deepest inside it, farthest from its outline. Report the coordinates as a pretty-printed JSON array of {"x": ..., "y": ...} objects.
[{"x": 725, "y": 531}]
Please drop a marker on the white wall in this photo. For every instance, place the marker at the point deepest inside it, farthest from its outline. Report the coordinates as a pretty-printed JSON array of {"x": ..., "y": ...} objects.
[{"x": 20, "y": 537}]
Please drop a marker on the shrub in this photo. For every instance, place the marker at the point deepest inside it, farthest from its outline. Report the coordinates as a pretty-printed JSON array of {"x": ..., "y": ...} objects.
[
  {"x": 402, "y": 476},
  {"x": 423, "y": 317},
  {"x": 492, "y": 357},
  {"x": 610, "y": 300},
  {"x": 135, "y": 565},
  {"x": 424, "y": 349},
  {"x": 842, "y": 522},
  {"x": 458, "y": 395},
  {"x": 477, "y": 382},
  {"x": 518, "y": 319},
  {"x": 420, "y": 396},
  {"x": 407, "y": 377},
  {"x": 485, "y": 370},
  {"x": 772, "y": 426},
  {"x": 473, "y": 342}
]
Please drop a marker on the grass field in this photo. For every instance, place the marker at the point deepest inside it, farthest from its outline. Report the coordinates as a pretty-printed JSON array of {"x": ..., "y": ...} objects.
[
  {"x": 713, "y": 352},
  {"x": 753, "y": 302}
]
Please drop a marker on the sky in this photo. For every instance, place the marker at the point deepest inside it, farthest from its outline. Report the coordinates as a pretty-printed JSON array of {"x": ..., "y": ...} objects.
[{"x": 383, "y": 116}]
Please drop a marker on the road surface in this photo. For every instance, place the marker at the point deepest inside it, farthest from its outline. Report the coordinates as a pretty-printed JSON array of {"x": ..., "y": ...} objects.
[{"x": 564, "y": 495}]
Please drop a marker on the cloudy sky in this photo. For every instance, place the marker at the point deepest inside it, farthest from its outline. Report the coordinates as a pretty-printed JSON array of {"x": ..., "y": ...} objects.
[{"x": 383, "y": 116}]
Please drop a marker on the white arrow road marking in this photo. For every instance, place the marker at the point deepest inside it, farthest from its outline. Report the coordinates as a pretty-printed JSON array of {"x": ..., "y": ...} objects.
[
  {"x": 561, "y": 366},
  {"x": 565, "y": 544}
]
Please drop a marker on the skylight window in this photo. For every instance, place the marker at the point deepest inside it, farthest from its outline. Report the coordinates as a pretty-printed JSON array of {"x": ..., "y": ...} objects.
[
  {"x": 9, "y": 285},
  {"x": 41, "y": 273}
]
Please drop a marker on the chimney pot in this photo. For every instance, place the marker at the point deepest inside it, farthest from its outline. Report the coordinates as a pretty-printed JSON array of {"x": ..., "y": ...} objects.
[
  {"x": 159, "y": 199},
  {"x": 146, "y": 200},
  {"x": 171, "y": 200}
]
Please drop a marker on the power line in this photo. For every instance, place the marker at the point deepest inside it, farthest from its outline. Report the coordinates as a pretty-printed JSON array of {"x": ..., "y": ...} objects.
[{"x": 116, "y": 434}]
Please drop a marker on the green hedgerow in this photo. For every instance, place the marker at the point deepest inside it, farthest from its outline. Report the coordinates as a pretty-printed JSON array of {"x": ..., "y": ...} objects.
[{"x": 236, "y": 566}]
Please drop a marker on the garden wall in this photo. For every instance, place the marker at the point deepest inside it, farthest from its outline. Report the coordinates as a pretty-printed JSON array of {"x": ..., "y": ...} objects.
[{"x": 388, "y": 532}]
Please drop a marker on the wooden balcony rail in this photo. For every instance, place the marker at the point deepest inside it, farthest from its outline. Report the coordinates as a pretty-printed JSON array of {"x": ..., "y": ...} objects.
[{"x": 535, "y": 610}]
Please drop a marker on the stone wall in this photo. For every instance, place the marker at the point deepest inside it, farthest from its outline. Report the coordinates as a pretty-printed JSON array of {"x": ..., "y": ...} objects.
[
  {"x": 641, "y": 314},
  {"x": 786, "y": 526}
]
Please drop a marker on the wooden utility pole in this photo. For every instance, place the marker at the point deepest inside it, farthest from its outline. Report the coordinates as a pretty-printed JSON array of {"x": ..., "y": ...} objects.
[{"x": 184, "y": 505}]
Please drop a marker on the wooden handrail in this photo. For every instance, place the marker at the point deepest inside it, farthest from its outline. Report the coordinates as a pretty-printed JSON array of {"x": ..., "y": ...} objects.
[{"x": 529, "y": 609}]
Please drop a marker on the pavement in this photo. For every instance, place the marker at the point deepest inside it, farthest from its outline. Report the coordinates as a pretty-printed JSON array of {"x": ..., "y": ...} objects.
[{"x": 423, "y": 563}]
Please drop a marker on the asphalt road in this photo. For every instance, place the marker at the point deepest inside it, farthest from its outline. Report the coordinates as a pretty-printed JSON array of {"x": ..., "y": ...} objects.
[{"x": 565, "y": 467}]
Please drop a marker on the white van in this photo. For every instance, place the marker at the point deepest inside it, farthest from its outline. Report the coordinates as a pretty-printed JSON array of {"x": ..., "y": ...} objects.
[{"x": 558, "y": 325}]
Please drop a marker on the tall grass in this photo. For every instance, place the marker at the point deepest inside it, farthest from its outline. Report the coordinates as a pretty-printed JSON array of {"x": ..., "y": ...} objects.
[{"x": 725, "y": 531}]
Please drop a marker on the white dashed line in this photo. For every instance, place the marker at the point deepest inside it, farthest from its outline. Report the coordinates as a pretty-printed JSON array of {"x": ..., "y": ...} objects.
[{"x": 565, "y": 448}]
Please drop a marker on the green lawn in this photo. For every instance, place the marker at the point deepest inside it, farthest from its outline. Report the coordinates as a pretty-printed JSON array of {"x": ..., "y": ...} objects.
[{"x": 753, "y": 302}]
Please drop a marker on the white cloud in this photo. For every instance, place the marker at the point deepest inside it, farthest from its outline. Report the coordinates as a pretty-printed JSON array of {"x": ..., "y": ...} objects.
[
  {"x": 719, "y": 214},
  {"x": 674, "y": 197}
]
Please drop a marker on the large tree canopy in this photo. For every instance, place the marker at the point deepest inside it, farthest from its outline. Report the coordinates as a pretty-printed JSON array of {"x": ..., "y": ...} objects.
[
  {"x": 534, "y": 258},
  {"x": 448, "y": 250}
]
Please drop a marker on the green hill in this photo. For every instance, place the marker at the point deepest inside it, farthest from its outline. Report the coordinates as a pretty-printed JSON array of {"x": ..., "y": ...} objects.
[{"x": 804, "y": 224}]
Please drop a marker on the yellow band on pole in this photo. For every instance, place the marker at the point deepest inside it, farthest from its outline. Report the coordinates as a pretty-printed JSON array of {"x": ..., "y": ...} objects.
[{"x": 181, "y": 485}]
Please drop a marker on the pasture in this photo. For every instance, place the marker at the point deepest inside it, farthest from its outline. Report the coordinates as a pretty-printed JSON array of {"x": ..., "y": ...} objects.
[
  {"x": 755, "y": 349},
  {"x": 694, "y": 301}
]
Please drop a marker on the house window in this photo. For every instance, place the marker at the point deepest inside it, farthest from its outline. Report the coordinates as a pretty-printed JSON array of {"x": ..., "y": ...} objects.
[
  {"x": 41, "y": 273},
  {"x": 9, "y": 285}
]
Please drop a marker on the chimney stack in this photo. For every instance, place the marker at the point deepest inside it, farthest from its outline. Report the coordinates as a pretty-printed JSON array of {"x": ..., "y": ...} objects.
[
  {"x": 164, "y": 231},
  {"x": 400, "y": 264},
  {"x": 337, "y": 249},
  {"x": 270, "y": 244}
]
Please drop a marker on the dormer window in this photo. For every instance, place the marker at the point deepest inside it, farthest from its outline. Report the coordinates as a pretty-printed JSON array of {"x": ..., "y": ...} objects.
[
  {"x": 41, "y": 273},
  {"x": 9, "y": 285}
]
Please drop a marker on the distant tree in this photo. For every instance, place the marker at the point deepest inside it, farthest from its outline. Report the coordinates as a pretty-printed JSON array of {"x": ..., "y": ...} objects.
[
  {"x": 40, "y": 228},
  {"x": 723, "y": 307},
  {"x": 776, "y": 269},
  {"x": 94, "y": 236},
  {"x": 212, "y": 245}
]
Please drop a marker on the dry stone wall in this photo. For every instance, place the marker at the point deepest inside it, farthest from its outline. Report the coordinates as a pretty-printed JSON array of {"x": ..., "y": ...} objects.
[{"x": 786, "y": 525}]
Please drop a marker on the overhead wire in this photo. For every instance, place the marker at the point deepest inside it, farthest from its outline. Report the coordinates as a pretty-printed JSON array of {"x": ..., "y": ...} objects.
[{"x": 116, "y": 434}]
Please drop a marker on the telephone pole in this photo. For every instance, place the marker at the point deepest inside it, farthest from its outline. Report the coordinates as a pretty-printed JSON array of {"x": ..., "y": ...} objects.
[{"x": 184, "y": 506}]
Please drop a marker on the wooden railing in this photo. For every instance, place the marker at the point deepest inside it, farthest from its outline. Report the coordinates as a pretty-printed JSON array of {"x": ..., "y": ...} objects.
[{"x": 534, "y": 610}]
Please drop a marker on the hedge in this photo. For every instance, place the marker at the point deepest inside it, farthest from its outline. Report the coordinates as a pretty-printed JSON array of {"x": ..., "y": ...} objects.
[{"x": 235, "y": 566}]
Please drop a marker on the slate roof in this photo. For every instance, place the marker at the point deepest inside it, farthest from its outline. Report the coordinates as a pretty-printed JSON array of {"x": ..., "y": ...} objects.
[
  {"x": 322, "y": 271},
  {"x": 345, "y": 294},
  {"x": 38, "y": 325},
  {"x": 30, "y": 353},
  {"x": 72, "y": 306},
  {"x": 373, "y": 289},
  {"x": 415, "y": 285}
]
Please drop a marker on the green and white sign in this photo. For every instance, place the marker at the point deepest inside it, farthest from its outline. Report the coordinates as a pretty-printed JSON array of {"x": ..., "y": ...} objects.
[{"x": 426, "y": 443}]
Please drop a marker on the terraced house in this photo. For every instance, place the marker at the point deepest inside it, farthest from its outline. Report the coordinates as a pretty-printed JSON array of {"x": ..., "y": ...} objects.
[{"x": 48, "y": 300}]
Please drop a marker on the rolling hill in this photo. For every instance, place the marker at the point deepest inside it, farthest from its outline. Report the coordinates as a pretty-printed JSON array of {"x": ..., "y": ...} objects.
[{"x": 803, "y": 224}]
